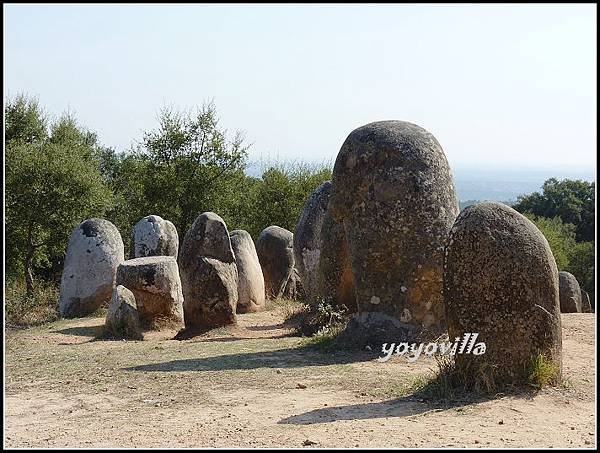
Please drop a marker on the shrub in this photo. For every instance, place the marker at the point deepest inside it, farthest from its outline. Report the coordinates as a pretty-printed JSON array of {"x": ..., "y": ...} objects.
[{"x": 40, "y": 307}]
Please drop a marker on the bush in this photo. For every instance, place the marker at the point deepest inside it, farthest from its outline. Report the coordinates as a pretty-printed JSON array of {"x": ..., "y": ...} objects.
[{"x": 40, "y": 307}]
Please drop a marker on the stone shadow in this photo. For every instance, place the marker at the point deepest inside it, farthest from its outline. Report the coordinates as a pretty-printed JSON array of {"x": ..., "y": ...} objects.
[{"x": 282, "y": 358}]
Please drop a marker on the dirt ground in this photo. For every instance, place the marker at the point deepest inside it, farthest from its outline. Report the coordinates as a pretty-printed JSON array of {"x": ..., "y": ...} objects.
[{"x": 255, "y": 385}]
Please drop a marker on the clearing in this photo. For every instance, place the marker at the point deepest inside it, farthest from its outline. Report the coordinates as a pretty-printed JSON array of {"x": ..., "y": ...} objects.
[{"x": 255, "y": 385}]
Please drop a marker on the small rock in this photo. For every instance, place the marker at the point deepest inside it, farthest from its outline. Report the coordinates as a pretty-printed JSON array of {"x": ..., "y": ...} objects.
[
  {"x": 309, "y": 442},
  {"x": 300, "y": 386}
]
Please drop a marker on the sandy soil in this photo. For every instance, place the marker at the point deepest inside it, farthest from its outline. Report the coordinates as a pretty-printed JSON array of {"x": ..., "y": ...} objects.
[{"x": 256, "y": 386}]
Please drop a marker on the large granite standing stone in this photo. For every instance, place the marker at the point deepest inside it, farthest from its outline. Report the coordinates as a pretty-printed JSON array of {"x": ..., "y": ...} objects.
[
  {"x": 154, "y": 236},
  {"x": 94, "y": 252},
  {"x": 308, "y": 242},
  {"x": 251, "y": 284},
  {"x": 208, "y": 274},
  {"x": 501, "y": 281},
  {"x": 393, "y": 192},
  {"x": 570, "y": 293},
  {"x": 275, "y": 251},
  {"x": 155, "y": 283},
  {"x": 334, "y": 273},
  {"x": 122, "y": 317}
]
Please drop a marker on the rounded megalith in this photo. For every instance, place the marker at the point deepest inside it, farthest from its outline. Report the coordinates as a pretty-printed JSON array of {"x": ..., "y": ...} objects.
[
  {"x": 155, "y": 283},
  {"x": 501, "y": 282},
  {"x": 334, "y": 272},
  {"x": 154, "y": 236},
  {"x": 275, "y": 249},
  {"x": 251, "y": 284},
  {"x": 570, "y": 293},
  {"x": 208, "y": 274},
  {"x": 393, "y": 191},
  {"x": 94, "y": 252},
  {"x": 586, "y": 305},
  {"x": 122, "y": 318},
  {"x": 308, "y": 242}
]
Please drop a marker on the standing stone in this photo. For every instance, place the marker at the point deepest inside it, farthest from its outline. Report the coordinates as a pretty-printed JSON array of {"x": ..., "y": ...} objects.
[
  {"x": 154, "y": 236},
  {"x": 275, "y": 249},
  {"x": 335, "y": 277},
  {"x": 308, "y": 243},
  {"x": 570, "y": 293},
  {"x": 393, "y": 192},
  {"x": 501, "y": 281},
  {"x": 251, "y": 284},
  {"x": 586, "y": 305},
  {"x": 155, "y": 283},
  {"x": 122, "y": 318},
  {"x": 94, "y": 252},
  {"x": 208, "y": 274}
]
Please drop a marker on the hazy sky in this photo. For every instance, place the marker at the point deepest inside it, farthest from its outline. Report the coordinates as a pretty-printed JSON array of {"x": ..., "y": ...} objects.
[{"x": 498, "y": 85}]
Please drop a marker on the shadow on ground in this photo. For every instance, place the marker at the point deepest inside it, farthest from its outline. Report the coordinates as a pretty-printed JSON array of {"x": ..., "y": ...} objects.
[
  {"x": 403, "y": 407},
  {"x": 282, "y": 358},
  {"x": 83, "y": 331},
  {"x": 406, "y": 406}
]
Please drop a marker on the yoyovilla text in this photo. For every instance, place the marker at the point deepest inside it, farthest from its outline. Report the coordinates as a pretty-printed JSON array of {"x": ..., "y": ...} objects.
[{"x": 413, "y": 351}]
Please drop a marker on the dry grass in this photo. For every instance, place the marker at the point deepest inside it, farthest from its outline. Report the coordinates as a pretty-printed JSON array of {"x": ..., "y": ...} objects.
[{"x": 26, "y": 311}]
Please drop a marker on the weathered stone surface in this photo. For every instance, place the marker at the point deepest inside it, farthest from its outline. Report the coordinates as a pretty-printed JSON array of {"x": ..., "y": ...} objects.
[
  {"x": 122, "y": 318},
  {"x": 294, "y": 288},
  {"x": 570, "y": 293},
  {"x": 393, "y": 192},
  {"x": 154, "y": 236},
  {"x": 155, "y": 283},
  {"x": 335, "y": 277},
  {"x": 374, "y": 329},
  {"x": 586, "y": 305},
  {"x": 501, "y": 281},
  {"x": 94, "y": 252},
  {"x": 251, "y": 283},
  {"x": 208, "y": 274},
  {"x": 308, "y": 243},
  {"x": 275, "y": 251}
]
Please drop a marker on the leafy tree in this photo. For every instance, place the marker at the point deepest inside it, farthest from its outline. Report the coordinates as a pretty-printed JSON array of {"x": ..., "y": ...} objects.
[
  {"x": 52, "y": 184},
  {"x": 182, "y": 168},
  {"x": 280, "y": 195},
  {"x": 560, "y": 237},
  {"x": 571, "y": 200},
  {"x": 571, "y": 256},
  {"x": 582, "y": 264},
  {"x": 24, "y": 120}
]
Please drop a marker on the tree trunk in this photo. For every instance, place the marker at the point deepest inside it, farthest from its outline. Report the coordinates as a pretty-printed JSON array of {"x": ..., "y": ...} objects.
[{"x": 28, "y": 271}]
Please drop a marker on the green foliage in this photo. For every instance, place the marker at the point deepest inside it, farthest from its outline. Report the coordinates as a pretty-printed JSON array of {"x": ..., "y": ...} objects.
[
  {"x": 279, "y": 196},
  {"x": 570, "y": 255},
  {"x": 560, "y": 237},
  {"x": 184, "y": 167},
  {"x": 571, "y": 200},
  {"x": 52, "y": 184},
  {"x": 581, "y": 264},
  {"x": 24, "y": 121}
]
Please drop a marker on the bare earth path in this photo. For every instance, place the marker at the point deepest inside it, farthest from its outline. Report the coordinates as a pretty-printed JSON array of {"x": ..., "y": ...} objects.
[{"x": 239, "y": 388}]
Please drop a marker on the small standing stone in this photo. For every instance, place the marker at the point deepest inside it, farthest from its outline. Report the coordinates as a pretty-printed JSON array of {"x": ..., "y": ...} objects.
[
  {"x": 275, "y": 251},
  {"x": 154, "y": 236},
  {"x": 570, "y": 293},
  {"x": 122, "y": 318}
]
